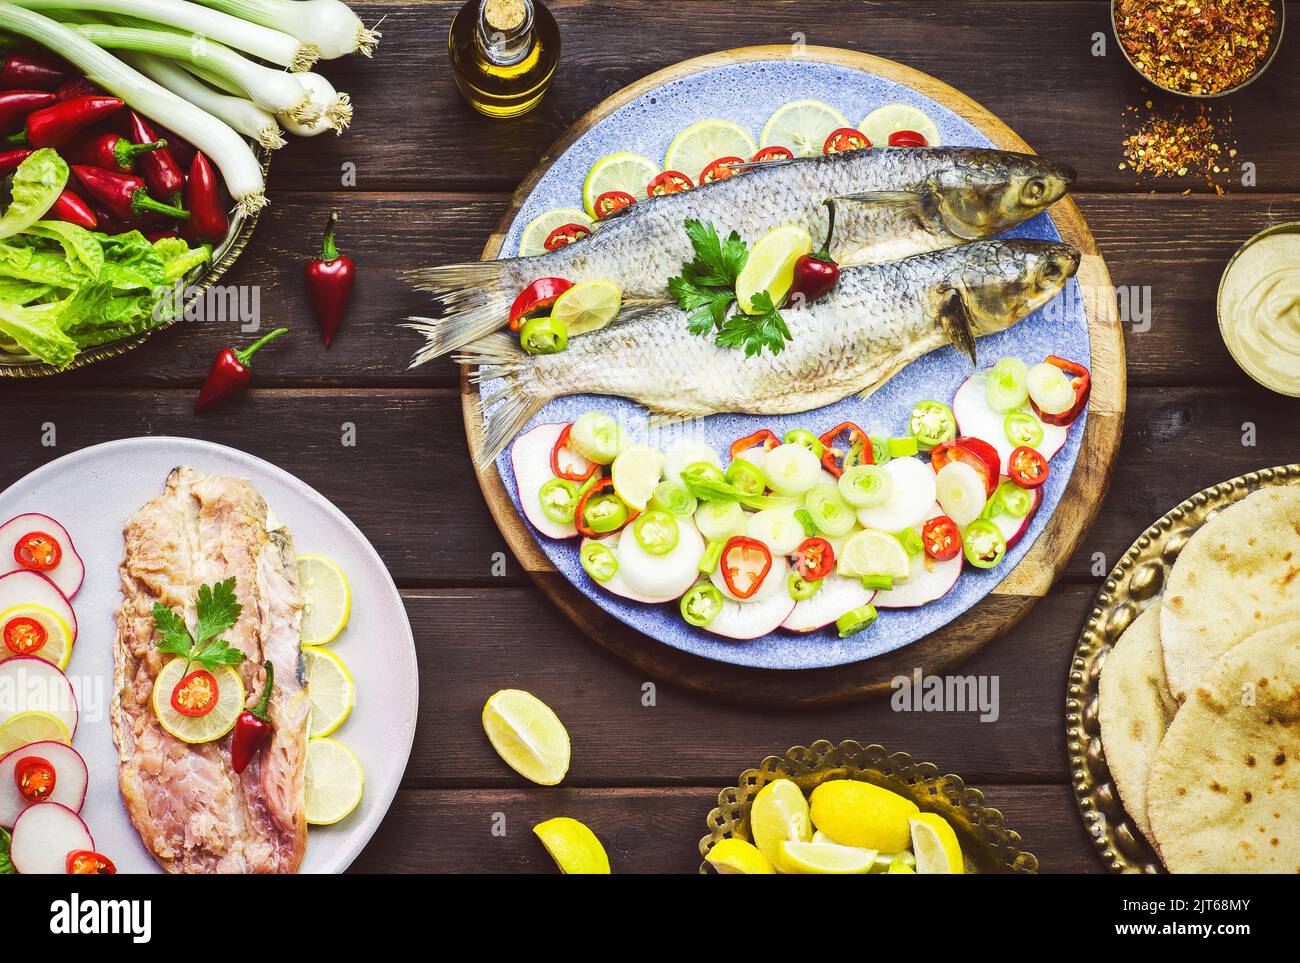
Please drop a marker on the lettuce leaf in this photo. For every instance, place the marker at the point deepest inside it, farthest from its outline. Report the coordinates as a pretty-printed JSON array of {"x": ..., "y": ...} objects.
[
  {"x": 6, "y": 864},
  {"x": 37, "y": 184},
  {"x": 37, "y": 331}
]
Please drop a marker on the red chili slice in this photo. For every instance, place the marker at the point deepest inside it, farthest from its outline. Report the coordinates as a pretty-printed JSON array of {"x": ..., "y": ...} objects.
[
  {"x": 562, "y": 443},
  {"x": 832, "y": 457},
  {"x": 669, "y": 182},
  {"x": 941, "y": 538},
  {"x": 814, "y": 559},
  {"x": 540, "y": 294},
  {"x": 1081, "y": 379},
  {"x": 979, "y": 454},
  {"x": 763, "y": 436},
  {"x": 745, "y": 563},
  {"x": 564, "y": 235},
  {"x": 38, "y": 551},
  {"x": 611, "y": 202},
  {"x": 907, "y": 138},
  {"x": 24, "y": 635},
  {"x": 846, "y": 138},
  {"x": 720, "y": 170},
  {"x": 35, "y": 778},
  {"x": 774, "y": 153},
  {"x": 196, "y": 694},
  {"x": 1027, "y": 467},
  {"x": 87, "y": 862}
]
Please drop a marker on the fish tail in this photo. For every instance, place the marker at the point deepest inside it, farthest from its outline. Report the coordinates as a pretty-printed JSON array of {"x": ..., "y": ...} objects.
[
  {"x": 508, "y": 409},
  {"x": 472, "y": 300}
]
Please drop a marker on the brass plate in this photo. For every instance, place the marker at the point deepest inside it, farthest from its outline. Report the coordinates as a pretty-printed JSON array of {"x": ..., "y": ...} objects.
[
  {"x": 200, "y": 280},
  {"x": 1132, "y": 585},
  {"x": 986, "y": 843}
]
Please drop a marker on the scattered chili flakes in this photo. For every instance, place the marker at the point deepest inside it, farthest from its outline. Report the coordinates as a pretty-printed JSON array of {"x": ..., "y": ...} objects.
[
  {"x": 1179, "y": 143},
  {"x": 1196, "y": 46}
]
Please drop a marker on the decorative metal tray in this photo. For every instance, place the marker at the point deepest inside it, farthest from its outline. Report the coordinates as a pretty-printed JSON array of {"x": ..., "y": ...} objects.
[
  {"x": 1132, "y": 585},
  {"x": 988, "y": 845}
]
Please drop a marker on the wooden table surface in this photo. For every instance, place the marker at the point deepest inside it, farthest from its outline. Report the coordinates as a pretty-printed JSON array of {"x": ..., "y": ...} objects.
[{"x": 431, "y": 180}]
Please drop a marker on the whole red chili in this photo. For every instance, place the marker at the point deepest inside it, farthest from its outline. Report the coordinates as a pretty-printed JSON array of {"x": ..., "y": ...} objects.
[
  {"x": 229, "y": 372},
  {"x": 816, "y": 274},
  {"x": 329, "y": 282},
  {"x": 112, "y": 152},
  {"x": 71, "y": 208},
  {"x": 60, "y": 123},
  {"x": 80, "y": 87},
  {"x": 253, "y": 727},
  {"x": 208, "y": 220},
  {"x": 10, "y": 159},
  {"x": 158, "y": 166},
  {"x": 17, "y": 105},
  {"x": 28, "y": 70},
  {"x": 122, "y": 196}
]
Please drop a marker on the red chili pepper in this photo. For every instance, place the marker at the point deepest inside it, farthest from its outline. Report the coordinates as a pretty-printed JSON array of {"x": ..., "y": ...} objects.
[
  {"x": 562, "y": 443},
  {"x": 24, "y": 635},
  {"x": 814, "y": 559},
  {"x": 763, "y": 436},
  {"x": 110, "y": 151},
  {"x": 87, "y": 862},
  {"x": 941, "y": 538},
  {"x": 773, "y": 154},
  {"x": 71, "y": 207},
  {"x": 158, "y": 166},
  {"x": 38, "y": 551},
  {"x": 831, "y": 456},
  {"x": 17, "y": 105},
  {"x": 669, "y": 182},
  {"x": 209, "y": 220},
  {"x": 564, "y": 235},
  {"x": 540, "y": 294},
  {"x": 196, "y": 695},
  {"x": 611, "y": 202},
  {"x": 35, "y": 778},
  {"x": 907, "y": 138},
  {"x": 80, "y": 87},
  {"x": 977, "y": 453},
  {"x": 59, "y": 124},
  {"x": 158, "y": 234},
  {"x": 253, "y": 727},
  {"x": 1027, "y": 467},
  {"x": 122, "y": 196},
  {"x": 845, "y": 138},
  {"x": 745, "y": 563},
  {"x": 329, "y": 283},
  {"x": 596, "y": 490},
  {"x": 28, "y": 70},
  {"x": 11, "y": 159},
  {"x": 1081, "y": 379},
  {"x": 229, "y": 372}
]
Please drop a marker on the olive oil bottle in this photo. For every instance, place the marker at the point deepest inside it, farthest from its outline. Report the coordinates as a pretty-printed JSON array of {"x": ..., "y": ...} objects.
[{"x": 503, "y": 54}]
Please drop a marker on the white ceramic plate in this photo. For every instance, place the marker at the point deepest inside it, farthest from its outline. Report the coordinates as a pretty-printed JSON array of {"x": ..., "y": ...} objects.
[{"x": 93, "y": 492}]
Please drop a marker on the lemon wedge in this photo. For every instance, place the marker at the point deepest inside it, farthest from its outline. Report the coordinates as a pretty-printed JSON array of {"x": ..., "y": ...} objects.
[
  {"x": 860, "y": 814},
  {"x": 533, "y": 241},
  {"x": 334, "y": 780},
  {"x": 935, "y": 845},
  {"x": 205, "y": 728},
  {"x": 705, "y": 141},
  {"x": 827, "y": 858},
  {"x": 24, "y": 728},
  {"x": 778, "y": 815},
  {"x": 732, "y": 857},
  {"x": 770, "y": 266},
  {"x": 327, "y": 599},
  {"x": 630, "y": 173},
  {"x": 573, "y": 846},
  {"x": 57, "y": 647},
  {"x": 528, "y": 735},
  {"x": 330, "y": 688},
  {"x": 802, "y": 126},
  {"x": 874, "y": 552},
  {"x": 892, "y": 118},
  {"x": 636, "y": 472},
  {"x": 588, "y": 306}
]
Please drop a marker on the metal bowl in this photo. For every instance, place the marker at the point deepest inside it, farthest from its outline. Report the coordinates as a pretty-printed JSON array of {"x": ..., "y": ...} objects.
[
  {"x": 986, "y": 843},
  {"x": 1289, "y": 227},
  {"x": 197, "y": 282},
  {"x": 1279, "y": 6}
]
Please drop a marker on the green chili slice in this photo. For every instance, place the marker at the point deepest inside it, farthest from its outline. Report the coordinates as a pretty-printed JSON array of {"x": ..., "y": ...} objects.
[
  {"x": 932, "y": 423},
  {"x": 701, "y": 605},
  {"x": 656, "y": 531},
  {"x": 1012, "y": 500},
  {"x": 801, "y": 588},
  {"x": 984, "y": 544},
  {"x": 798, "y": 436},
  {"x": 1022, "y": 428},
  {"x": 559, "y": 498},
  {"x": 598, "y": 561},
  {"x": 545, "y": 335},
  {"x": 605, "y": 513},
  {"x": 902, "y": 447},
  {"x": 745, "y": 476},
  {"x": 853, "y": 622}
]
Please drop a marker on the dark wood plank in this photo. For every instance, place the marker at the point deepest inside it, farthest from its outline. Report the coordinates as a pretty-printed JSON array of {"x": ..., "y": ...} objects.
[{"x": 643, "y": 830}]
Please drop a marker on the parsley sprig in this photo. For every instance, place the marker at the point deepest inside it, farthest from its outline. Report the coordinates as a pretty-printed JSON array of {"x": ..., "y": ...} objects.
[
  {"x": 216, "y": 610},
  {"x": 706, "y": 291}
]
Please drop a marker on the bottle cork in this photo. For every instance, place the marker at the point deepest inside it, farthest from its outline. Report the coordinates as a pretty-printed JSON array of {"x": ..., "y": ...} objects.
[{"x": 504, "y": 15}]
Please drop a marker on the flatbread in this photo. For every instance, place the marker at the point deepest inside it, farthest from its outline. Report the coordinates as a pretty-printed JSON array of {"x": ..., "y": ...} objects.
[
  {"x": 1134, "y": 708},
  {"x": 1238, "y": 574},
  {"x": 1225, "y": 781}
]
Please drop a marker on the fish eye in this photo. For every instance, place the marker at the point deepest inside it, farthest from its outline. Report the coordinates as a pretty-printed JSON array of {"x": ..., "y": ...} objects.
[
  {"x": 1051, "y": 270},
  {"x": 1035, "y": 189}
]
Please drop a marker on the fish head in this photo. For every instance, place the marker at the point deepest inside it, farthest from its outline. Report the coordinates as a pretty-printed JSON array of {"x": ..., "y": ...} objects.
[
  {"x": 992, "y": 191},
  {"x": 1006, "y": 281}
]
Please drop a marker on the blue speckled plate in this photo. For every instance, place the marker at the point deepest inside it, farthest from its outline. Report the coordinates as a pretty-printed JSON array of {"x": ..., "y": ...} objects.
[{"x": 748, "y": 93}]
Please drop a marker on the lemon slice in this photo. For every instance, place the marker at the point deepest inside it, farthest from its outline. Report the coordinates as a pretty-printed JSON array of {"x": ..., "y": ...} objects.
[
  {"x": 24, "y": 728},
  {"x": 874, "y": 552},
  {"x": 205, "y": 728},
  {"x": 528, "y": 735},
  {"x": 770, "y": 266},
  {"x": 330, "y": 688},
  {"x": 779, "y": 814},
  {"x": 57, "y": 647},
  {"x": 533, "y": 241},
  {"x": 326, "y": 597},
  {"x": 732, "y": 857},
  {"x": 702, "y": 143},
  {"x": 636, "y": 472},
  {"x": 935, "y": 845},
  {"x": 333, "y": 781},
  {"x": 573, "y": 846},
  {"x": 855, "y": 813},
  {"x": 630, "y": 173},
  {"x": 802, "y": 126},
  {"x": 828, "y": 858},
  {"x": 891, "y": 118},
  {"x": 588, "y": 306}
]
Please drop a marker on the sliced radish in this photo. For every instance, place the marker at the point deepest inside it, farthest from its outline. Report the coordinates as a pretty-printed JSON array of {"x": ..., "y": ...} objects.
[
  {"x": 775, "y": 584},
  {"x": 23, "y": 588},
  {"x": 71, "y": 570},
  {"x": 778, "y": 529},
  {"x": 29, "y": 684},
  {"x": 616, "y": 583},
  {"x": 974, "y": 417},
  {"x": 70, "y": 779},
  {"x": 531, "y": 459},
  {"x": 666, "y": 576},
  {"x": 910, "y": 500},
  {"x": 756, "y": 456},
  {"x": 961, "y": 492},
  {"x": 1013, "y": 528},
  {"x": 741, "y": 620},
  {"x": 44, "y": 836},
  {"x": 928, "y": 580},
  {"x": 838, "y": 594}
]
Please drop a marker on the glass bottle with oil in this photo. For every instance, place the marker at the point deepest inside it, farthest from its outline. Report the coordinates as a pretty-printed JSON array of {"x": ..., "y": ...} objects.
[{"x": 503, "y": 54}]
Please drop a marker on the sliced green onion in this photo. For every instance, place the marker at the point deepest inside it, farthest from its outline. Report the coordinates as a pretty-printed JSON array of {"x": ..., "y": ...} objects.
[
  {"x": 791, "y": 469},
  {"x": 701, "y": 605},
  {"x": 656, "y": 531},
  {"x": 902, "y": 447},
  {"x": 598, "y": 561},
  {"x": 830, "y": 512},
  {"x": 880, "y": 454},
  {"x": 673, "y": 498},
  {"x": 778, "y": 529},
  {"x": 855, "y": 621},
  {"x": 877, "y": 583},
  {"x": 798, "y": 436},
  {"x": 559, "y": 498},
  {"x": 932, "y": 423},
  {"x": 712, "y": 554},
  {"x": 1022, "y": 428},
  {"x": 1050, "y": 389},
  {"x": 804, "y": 518},
  {"x": 911, "y": 541},
  {"x": 243, "y": 115},
  {"x": 718, "y": 521},
  {"x": 328, "y": 25},
  {"x": 597, "y": 437},
  {"x": 801, "y": 588},
  {"x": 1007, "y": 385},
  {"x": 866, "y": 486},
  {"x": 745, "y": 476}
]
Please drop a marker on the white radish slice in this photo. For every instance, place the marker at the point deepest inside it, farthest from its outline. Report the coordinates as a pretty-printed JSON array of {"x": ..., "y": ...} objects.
[
  {"x": 961, "y": 492},
  {"x": 616, "y": 583},
  {"x": 683, "y": 454},
  {"x": 24, "y": 587},
  {"x": 43, "y": 838},
  {"x": 838, "y": 594},
  {"x": 756, "y": 456},
  {"x": 531, "y": 459},
  {"x": 70, "y": 779},
  {"x": 666, "y": 576},
  {"x": 792, "y": 469},
  {"x": 975, "y": 418},
  {"x": 778, "y": 529},
  {"x": 738, "y": 620},
  {"x": 775, "y": 583},
  {"x": 29, "y": 684},
  {"x": 929, "y": 580},
  {"x": 909, "y": 502},
  {"x": 71, "y": 570},
  {"x": 1013, "y": 528}
]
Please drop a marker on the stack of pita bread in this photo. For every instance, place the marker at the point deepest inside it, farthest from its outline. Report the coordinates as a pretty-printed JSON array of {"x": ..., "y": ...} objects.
[{"x": 1199, "y": 700}]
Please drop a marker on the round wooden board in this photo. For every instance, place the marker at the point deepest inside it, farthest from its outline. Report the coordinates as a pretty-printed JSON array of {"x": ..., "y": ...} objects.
[{"x": 998, "y": 611}]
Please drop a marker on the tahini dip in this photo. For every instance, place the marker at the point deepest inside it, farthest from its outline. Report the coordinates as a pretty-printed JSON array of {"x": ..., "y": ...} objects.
[{"x": 1259, "y": 308}]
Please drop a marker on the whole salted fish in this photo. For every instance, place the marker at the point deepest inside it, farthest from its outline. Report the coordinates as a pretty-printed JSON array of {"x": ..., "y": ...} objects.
[
  {"x": 890, "y": 203},
  {"x": 879, "y": 319}
]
